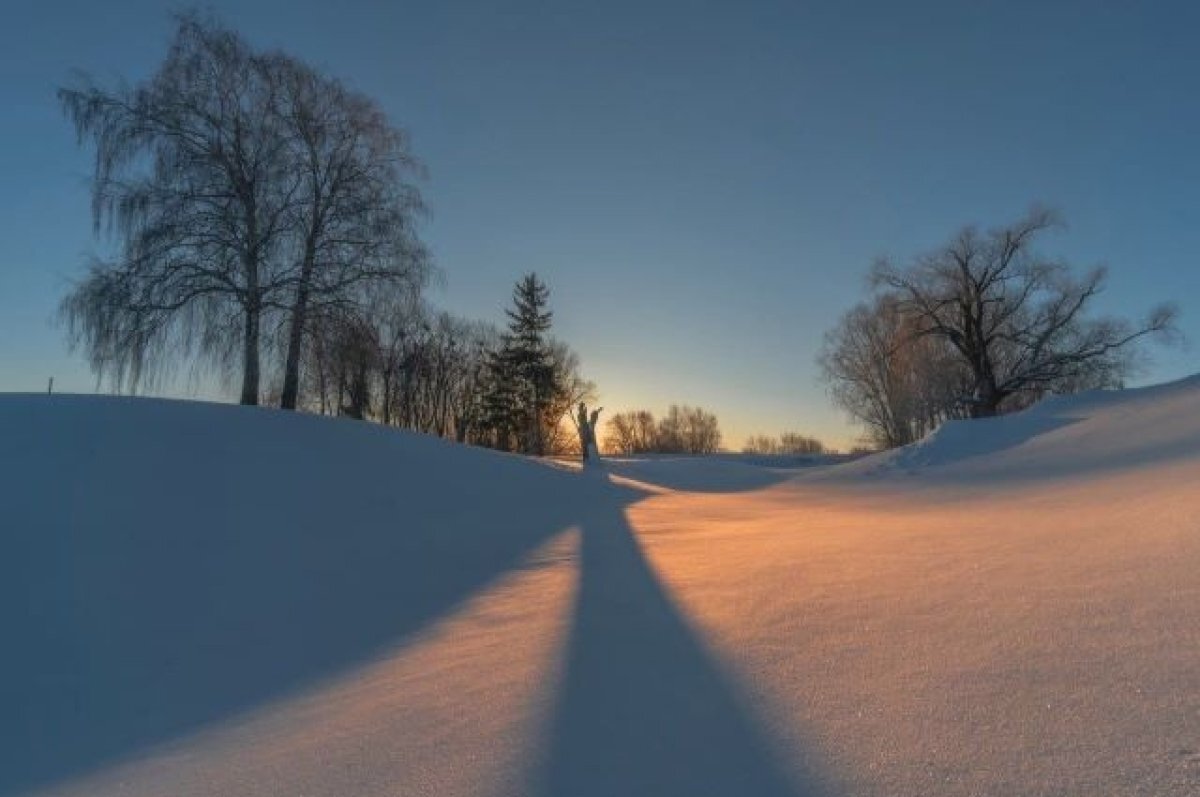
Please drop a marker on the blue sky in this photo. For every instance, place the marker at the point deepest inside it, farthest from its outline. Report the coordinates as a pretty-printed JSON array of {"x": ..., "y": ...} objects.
[{"x": 704, "y": 185}]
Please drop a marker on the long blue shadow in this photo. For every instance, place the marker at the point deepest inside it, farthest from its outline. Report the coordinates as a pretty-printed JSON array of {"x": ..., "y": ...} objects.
[
  {"x": 644, "y": 709},
  {"x": 143, "y": 597}
]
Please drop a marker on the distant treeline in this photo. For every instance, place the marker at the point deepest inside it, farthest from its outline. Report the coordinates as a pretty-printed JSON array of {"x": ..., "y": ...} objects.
[
  {"x": 787, "y": 443},
  {"x": 683, "y": 430}
]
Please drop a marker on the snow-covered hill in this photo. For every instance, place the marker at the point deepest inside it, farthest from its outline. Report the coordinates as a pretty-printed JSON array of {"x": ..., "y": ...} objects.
[
  {"x": 165, "y": 565},
  {"x": 208, "y": 600},
  {"x": 1069, "y": 436}
]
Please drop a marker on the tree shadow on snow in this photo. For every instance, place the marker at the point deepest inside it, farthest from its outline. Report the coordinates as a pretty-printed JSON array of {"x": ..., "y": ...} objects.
[
  {"x": 144, "y": 607},
  {"x": 643, "y": 707},
  {"x": 139, "y": 609}
]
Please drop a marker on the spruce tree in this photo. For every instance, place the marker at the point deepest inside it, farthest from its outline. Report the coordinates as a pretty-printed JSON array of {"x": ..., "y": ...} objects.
[
  {"x": 500, "y": 409},
  {"x": 528, "y": 329}
]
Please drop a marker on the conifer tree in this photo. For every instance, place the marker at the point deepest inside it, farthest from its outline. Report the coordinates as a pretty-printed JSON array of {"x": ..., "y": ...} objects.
[
  {"x": 501, "y": 405},
  {"x": 528, "y": 348},
  {"x": 521, "y": 372}
]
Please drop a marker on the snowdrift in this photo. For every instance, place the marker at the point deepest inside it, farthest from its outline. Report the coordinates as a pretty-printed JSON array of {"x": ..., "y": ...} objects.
[
  {"x": 167, "y": 564},
  {"x": 207, "y": 600},
  {"x": 1062, "y": 436},
  {"x": 714, "y": 472}
]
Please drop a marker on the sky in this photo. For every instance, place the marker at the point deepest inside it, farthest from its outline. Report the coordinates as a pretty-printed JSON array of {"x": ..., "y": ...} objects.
[{"x": 703, "y": 185}]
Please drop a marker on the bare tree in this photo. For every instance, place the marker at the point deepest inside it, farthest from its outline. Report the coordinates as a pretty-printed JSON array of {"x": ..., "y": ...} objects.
[
  {"x": 400, "y": 330},
  {"x": 761, "y": 444},
  {"x": 788, "y": 443},
  {"x": 797, "y": 443},
  {"x": 897, "y": 383},
  {"x": 351, "y": 344},
  {"x": 354, "y": 212},
  {"x": 683, "y": 430},
  {"x": 465, "y": 348},
  {"x": 633, "y": 432},
  {"x": 245, "y": 189},
  {"x": 688, "y": 430},
  {"x": 424, "y": 370},
  {"x": 567, "y": 388},
  {"x": 190, "y": 175},
  {"x": 1018, "y": 322}
]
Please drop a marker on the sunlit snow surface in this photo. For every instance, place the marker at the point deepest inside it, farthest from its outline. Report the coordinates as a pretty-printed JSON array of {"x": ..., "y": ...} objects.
[{"x": 210, "y": 600}]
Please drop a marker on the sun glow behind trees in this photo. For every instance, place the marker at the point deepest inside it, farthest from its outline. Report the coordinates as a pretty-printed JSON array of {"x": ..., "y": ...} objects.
[{"x": 266, "y": 218}]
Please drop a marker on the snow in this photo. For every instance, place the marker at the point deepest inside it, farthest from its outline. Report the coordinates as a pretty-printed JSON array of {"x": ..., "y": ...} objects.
[
  {"x": 1060, "y": 436},
  {"x": 696, "y": 473},
  {"x": 201, "y": 599}
]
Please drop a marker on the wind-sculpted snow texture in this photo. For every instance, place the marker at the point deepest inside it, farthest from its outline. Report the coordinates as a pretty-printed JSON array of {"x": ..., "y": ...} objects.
[{"x": 211, "y": 600}]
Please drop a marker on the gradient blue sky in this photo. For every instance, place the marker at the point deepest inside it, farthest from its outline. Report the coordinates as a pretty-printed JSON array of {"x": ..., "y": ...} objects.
[{"x": 704, "y": 185}]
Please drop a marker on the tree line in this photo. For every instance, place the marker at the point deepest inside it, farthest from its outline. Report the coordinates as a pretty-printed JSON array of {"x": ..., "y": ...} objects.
[
  {"x": 508, "y": 388},
  {"x": 984, "y": 324},
  {"x": 252, "y": 199},
  {"x": 683, "y": 430},
  {"x": 264, "y": 223},
  {"x": 786, "y": 444}
]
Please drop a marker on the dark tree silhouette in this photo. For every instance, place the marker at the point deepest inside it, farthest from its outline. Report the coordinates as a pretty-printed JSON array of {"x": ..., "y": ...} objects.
[
  {"x": 353, "y": 211},
  {"x": 190, "y": 173},
  {"x": 248, "y": 193},
  {"x": 683, "y": 430},
  {"x": 529, "y": 354},
  {"x": 1017, "y": 321},
  {"x": 521, "y": 373},
  {"x": 895, "y": 382}
]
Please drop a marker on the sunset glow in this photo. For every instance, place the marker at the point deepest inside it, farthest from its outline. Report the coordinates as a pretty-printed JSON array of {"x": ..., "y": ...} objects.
[{"x": 599, "y": 399}]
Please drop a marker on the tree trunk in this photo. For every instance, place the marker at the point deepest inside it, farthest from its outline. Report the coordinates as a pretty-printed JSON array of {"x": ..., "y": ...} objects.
[
  {"x": 358, "y": 392},
  {"x": 250, "y": 367},
  {"x": 322, "y": 380},
  {"x": 984, "y": 410},
  {"x": 291, "y": 367},
  {"x": 987, "y": 400},
  {"x": 252, "y": 307},
  {"x": 386, "y": 409}
]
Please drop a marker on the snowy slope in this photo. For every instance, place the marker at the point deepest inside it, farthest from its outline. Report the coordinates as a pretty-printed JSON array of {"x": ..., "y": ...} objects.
[
  {"x": 1060, "y": 436},
  {"x": 714, "y": 473},
  {"x": 209, "y": 600},
  {"x": 167, "y": 565}
]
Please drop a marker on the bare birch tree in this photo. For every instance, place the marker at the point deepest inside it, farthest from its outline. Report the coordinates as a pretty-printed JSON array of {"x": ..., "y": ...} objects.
[
  {"x": 249, "y": 194},
  {"x": 354, "y": 212},
  {"x": 190, "y": 175}
]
